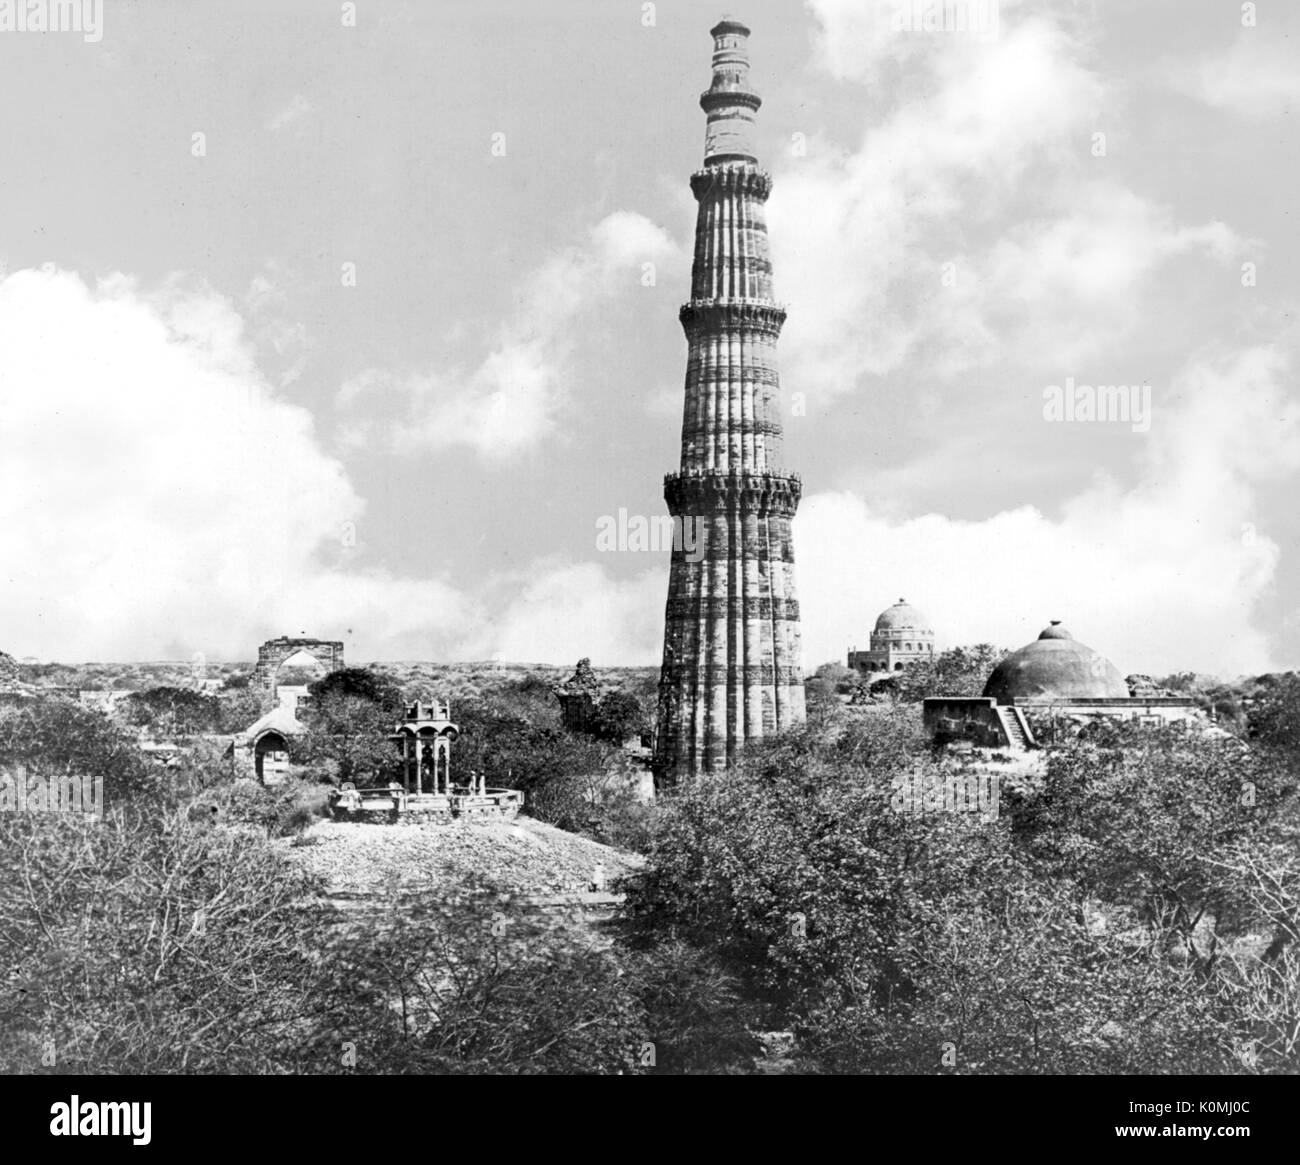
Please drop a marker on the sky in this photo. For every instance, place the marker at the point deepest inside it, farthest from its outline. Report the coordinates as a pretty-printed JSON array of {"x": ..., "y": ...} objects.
[{"x": 359, "y": 321}]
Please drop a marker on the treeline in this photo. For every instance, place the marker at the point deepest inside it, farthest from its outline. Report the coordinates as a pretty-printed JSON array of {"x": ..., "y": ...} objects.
[
  {"x": 1133, "y": 909},
  {"x": 174, "y": 935}
]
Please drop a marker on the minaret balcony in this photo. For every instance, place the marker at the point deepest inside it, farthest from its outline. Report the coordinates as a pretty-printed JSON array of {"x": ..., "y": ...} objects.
[
  {"x": 705, "y": 491},
  {"x": 732, "y": 178},
  {"x": 704, "y": 315}
]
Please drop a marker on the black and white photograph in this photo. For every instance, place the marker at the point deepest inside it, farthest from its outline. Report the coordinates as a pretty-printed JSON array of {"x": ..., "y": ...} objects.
[{"x": 615, "y": 538}]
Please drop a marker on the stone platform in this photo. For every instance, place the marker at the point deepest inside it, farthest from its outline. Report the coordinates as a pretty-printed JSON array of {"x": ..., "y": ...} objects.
[{"x": 395, "y": 804}]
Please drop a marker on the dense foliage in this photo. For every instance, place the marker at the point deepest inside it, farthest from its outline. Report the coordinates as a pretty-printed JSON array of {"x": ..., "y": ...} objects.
[
  {"x": 1133, "y": 907},
  {"x": 186, "y": 711},
  {"x": 1132, "y": 910},
  {"x": 960, "y": 671}
]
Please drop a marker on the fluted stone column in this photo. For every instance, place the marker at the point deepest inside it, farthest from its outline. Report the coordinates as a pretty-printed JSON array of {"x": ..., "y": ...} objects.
[{"x": 731, "y": 668}]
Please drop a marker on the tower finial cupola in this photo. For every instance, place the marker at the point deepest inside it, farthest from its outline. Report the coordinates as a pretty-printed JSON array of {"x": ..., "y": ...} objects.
[{"x": 729, "y": 101}]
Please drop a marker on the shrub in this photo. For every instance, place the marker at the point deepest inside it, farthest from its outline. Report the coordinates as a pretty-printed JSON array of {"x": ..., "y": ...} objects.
[{"x": 1083, "y": 931}]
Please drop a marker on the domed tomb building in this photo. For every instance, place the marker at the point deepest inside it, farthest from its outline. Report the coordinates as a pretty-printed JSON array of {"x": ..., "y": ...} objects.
[
  {"x": 1049, "y": 687},
  {"x": 1055, "y": 667},
  {"x": 902, "y": 636}
]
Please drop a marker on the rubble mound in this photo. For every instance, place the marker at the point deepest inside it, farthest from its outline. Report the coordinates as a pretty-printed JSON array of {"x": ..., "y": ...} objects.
[
  {"x": 523, "y": 857},
  {"x": 1144, "y": 687}
]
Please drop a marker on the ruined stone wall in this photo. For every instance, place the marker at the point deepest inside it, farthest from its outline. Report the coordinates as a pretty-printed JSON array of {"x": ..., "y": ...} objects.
[{"x": 274, "y": 652}]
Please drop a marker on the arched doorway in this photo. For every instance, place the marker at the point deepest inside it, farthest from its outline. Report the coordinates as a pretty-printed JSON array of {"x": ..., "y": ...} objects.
[{"x": 271, "y": 757}]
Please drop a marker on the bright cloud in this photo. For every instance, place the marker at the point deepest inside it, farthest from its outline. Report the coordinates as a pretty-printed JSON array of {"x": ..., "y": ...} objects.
[
  {"x": 1256, "y": 78},
  {"x": 158, "y": 499},
  {"x": 561, "y": 611},
  {"x": 513, "y": 397},
  {"x": 1163, "y": 576},
  {"x": 973, "y": 222}
]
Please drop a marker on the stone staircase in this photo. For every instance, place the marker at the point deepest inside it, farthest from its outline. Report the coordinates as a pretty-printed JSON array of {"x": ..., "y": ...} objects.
[{"x": 1019, "y": 736}]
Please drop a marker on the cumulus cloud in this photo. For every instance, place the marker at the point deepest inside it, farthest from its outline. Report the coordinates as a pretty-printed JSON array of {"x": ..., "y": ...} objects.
[
  {"x": 558, "y": 612},
  {"x": 1256, "y": 78},
  {"x": 972, "y": 221},
  {"x": 1160, "y": 576},
  {"x": 514, "y": 395},
  {"x": 158, "y": 499},
  {"x": 1165, "y": 574},
  {"x": 280, "y": 338}
]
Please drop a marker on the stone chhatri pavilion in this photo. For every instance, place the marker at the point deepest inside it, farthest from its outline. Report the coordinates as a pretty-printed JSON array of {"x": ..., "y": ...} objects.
[
  {"x": 424, "y": 737},
  {"x": 731, "y": 667}
]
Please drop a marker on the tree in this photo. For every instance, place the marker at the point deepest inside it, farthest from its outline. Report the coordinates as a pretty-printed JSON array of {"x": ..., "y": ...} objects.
[
  {"x": 960, "y": 671},
  {"x": 348, "y": 738},
  {"x": 350, "y": 717},
  {"x": 160, "y": 943},
  {"x": 1084, "y": 930},
  {"x": 170, "y": 710},
  {"x": 1139, "y": 817},
  {"x": 359, "y": 683},
  {"x": 1274, "y": 720},
  {"x": 53, "y": 735},
  {"x": 150, "y": 944},
  {"x": 237, "y": 708},
  {"x": 618, "y": 716}
]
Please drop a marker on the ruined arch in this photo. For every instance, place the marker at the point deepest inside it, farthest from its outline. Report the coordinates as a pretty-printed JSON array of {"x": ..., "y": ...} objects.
[{"x": 273, "y": 653}]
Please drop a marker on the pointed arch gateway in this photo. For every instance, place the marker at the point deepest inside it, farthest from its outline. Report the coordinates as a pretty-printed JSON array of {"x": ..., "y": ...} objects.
[{"x": 275, "y": 653}]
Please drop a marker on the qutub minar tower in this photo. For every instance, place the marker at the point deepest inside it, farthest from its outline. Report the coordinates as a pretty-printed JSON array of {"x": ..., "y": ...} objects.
[{"x": 731, "y": 668}]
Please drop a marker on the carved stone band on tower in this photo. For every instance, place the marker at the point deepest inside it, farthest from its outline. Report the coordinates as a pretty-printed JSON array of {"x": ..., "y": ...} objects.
[{"x": 731, "y": 667}]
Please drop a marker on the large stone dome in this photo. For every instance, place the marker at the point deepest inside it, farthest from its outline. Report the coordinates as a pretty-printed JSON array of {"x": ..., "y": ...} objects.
[
  {"x": 902, "y": 616},
  {"x": 1056, "y": 666}
]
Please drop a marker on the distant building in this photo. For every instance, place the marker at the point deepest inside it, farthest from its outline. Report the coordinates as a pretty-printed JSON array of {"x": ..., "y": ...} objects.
[
  {"x": 1050, "y": 687},
  {"x": 902, "y": 637},
  {"x": 578, "y": 696},
  {"x": 261, "y": 751}
]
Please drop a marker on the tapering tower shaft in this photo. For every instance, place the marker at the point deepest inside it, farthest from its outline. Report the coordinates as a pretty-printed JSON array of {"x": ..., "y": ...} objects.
[{"x": 731, "y": 668}]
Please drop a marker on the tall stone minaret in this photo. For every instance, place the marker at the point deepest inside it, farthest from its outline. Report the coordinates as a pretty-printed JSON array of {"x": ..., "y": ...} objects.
[{"x": 731, "y": 668}]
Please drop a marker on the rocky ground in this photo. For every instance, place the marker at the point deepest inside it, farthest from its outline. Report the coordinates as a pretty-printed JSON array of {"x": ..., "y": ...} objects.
[{"x": 522, "y": 857}]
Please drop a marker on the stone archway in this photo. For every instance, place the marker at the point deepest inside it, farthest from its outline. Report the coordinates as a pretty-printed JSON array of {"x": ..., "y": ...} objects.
[
  {"x": 271, "y": 757},
  {"x": 274, "y": 652}
]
